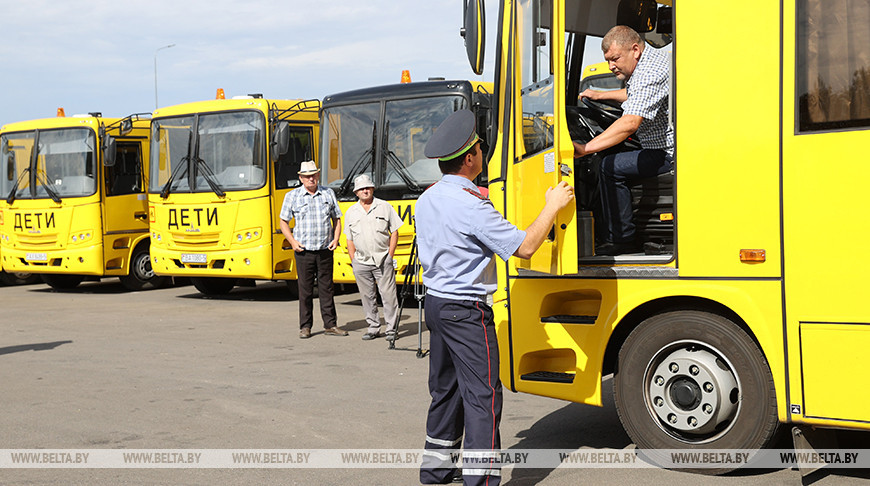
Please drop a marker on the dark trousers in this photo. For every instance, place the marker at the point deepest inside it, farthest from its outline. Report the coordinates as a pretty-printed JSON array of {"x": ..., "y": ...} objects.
[
  {"x": 309, "y": 264},
  {"x": 466, "y": 391},
  {"x": 616, "y": 171}
]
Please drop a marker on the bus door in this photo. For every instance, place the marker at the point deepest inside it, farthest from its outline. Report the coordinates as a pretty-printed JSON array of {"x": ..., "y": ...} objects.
[
  {"x": 826, "y": 127},
  {"x": 286, "y": 177},
  {"x": 125, "y": 209},
  {"x": 543, "y": 153}
]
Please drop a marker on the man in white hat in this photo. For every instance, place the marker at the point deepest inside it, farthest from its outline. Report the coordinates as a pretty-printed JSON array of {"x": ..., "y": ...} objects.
[
  {"x": 315, "y": 236},
  {"x": 372, "y": 231}
]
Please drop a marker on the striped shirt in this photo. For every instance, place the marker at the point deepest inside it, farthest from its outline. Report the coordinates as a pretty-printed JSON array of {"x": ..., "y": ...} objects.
[
  {"x": 648, "y": 93},
  {"x": 313, "y": 214}
]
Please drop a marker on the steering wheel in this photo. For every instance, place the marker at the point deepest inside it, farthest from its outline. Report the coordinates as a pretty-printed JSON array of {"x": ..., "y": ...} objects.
[{"x": 600, "y": 110}]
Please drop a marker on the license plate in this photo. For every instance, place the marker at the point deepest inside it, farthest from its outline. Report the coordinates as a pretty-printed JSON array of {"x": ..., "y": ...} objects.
[
  {"x": 36, "y": 257},
  {"x": 193, "y": 258}
]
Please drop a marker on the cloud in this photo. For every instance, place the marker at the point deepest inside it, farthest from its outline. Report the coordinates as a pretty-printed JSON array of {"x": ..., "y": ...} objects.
[{"x": 100, "y": 55}]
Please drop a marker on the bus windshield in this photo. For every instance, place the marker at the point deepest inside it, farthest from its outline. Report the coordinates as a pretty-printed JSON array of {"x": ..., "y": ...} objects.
[
  {"x": 227, "y": 153},
  {"x": 63, "y": 165},
  {"x": 384, "y": 140}
]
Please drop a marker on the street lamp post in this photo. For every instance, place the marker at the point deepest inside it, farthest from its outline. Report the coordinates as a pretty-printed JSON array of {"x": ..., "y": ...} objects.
[{"x": 156, "y": 105}]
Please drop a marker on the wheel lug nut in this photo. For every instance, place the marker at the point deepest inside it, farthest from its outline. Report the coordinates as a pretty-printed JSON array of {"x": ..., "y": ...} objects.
[
  {"x": 693, "y": 421},
  {"x": 694, "y": 370},
  {"x": 674, "y": 367},
  {"x": 659, "y": 381},
  {"x": 708, "y": 387},
  {"x": 708, "y": 409},
  {"x": 659, "y": 402},
  {"x": 672, "y": 418}
]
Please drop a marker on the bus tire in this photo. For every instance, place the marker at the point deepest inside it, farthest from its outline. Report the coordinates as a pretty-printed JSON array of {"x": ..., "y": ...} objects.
[
  {"x": 694, "y": 380},
  {"x": 142, "y": 276},
  {"x": 213, "y": 285},
  {"x": 62, "y": 282},
  {"x": 19, "y": 278}
]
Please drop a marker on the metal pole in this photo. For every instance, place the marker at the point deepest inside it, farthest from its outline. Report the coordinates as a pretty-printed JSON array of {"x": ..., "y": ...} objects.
[{"x": 156, "y": 105}]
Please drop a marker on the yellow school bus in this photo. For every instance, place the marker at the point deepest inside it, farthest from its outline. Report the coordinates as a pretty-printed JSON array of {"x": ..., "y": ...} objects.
[
  {"x": 74, "y": 202},
  {"x": 219, "y": 173},
  {"x": 381, "y": 131},
  {"x": 747, "y": 308}
]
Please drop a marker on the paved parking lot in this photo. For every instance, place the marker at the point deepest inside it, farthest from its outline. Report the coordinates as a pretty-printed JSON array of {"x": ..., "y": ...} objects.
[{"x": 103, "y": 368}]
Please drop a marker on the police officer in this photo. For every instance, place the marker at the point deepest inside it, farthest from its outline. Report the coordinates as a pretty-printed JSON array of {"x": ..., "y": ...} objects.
[{"x": 458, "y": 231}]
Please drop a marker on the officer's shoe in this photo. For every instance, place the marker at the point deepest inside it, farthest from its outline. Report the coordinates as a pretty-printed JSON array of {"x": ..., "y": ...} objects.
[
  {"x": 305, "y": 333},
  {"x": 369, "y": 336},
  {"x": 391, "y": 336},
  {"x": 334, "y": 331}
]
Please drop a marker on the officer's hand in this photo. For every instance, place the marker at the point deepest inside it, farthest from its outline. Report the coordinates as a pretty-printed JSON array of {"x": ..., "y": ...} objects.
[
  {"x": 333, "y": 245},
  {"x": 297, "y": 247},
  {"x": 560, "y": 196}
]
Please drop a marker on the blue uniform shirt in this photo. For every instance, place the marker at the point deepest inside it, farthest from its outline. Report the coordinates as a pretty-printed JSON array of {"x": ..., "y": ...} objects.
[{"x": 458, "y": 231}]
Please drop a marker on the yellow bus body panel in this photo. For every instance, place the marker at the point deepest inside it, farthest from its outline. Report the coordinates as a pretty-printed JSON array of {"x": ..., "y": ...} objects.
[
  {"x": 238, "y": 235},
  {"x": 106, "y": 228},
  {"x": 747, "y": 179}
]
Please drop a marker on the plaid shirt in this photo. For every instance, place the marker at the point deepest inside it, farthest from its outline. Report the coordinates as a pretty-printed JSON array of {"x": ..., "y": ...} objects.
[
  {"x": 648, "y": 93},
  {"x": 313, "y": 214}
]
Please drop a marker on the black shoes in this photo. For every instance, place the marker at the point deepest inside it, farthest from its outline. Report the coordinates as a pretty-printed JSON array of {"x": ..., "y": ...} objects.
[{"x": 613, "y": 249}]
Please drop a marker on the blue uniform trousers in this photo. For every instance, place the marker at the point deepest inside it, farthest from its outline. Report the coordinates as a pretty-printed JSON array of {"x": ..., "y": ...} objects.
[
  {"x": 466, "y": 392},
  {"x": 616, "y": 171}
]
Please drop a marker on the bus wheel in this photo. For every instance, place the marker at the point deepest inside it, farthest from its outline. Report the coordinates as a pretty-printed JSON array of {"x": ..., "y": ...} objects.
[
  {"x": 19, "y": 278},
  {"x": 694, "y": 380},
  {"x": 62, "y": 282},
  {"x": 142, "y": 276},
  {"x": 213, "y": 285}
]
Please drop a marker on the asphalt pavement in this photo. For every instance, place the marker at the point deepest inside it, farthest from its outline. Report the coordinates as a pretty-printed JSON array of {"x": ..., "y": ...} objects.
[{"x": 102, "y": 368}]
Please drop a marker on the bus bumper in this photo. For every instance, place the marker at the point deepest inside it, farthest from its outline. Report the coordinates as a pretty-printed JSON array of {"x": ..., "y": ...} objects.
[{"x": 79, "y": 261}]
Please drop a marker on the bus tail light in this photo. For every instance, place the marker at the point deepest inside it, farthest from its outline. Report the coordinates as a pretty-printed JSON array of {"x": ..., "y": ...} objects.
[
  {"x": 753, "y": 256},
  {"x": 666, "y": 217}
]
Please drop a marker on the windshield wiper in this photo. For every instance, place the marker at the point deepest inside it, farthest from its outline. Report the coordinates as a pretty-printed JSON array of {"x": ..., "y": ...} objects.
[
  {"x": 397, "y": 163},
  {"x": 361, "y": 163},
  {"x": 49, "y": 187},
  {"x": 209, "y": 176},
  {"x": 11, "y": 197},
  {"x": 164, "y": 192}
]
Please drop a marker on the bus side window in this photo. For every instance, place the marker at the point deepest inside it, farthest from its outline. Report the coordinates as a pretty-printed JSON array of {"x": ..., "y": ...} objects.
[{"x": 125, "y": 177}]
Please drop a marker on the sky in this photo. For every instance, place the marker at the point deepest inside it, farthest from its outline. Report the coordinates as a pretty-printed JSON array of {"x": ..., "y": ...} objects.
[{"x": 98, "y": 55}]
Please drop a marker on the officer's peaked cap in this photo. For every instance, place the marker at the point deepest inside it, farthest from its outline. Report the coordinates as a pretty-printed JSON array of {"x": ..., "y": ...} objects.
[{"x": 455, "y": 135}]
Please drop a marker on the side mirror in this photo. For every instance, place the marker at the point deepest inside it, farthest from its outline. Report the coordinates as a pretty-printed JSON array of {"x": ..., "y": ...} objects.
[
  {"x": 125, "y": 127},
  {"x": 109, "y": 151},
  {"x": 474, "y": 33},
  {"x": 280, "y": 140},
  {"x": 10, "y": 165},
  {"x": 640, "y": 15}
]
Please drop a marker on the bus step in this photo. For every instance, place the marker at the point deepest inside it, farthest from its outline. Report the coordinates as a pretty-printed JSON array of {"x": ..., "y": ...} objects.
[
  {"x": 550, "y": 376},
  {"x": 568, "y": 319}
]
